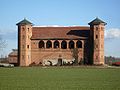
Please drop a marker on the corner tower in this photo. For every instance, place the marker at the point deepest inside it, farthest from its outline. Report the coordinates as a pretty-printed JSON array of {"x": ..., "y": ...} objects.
[
  {"x": 97, "y": 41},
  {"x": 24, "y": 42}
]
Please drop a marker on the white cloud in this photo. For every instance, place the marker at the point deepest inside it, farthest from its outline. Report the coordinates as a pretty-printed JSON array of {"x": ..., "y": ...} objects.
[
  {"x": 7, "y": 31},
  {"x": 56, "y": 26},
  {"x": 112, "y": 33}
]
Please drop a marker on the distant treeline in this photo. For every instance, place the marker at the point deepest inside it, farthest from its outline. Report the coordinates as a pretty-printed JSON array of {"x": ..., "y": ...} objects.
[{"x": 4, "y": 60}]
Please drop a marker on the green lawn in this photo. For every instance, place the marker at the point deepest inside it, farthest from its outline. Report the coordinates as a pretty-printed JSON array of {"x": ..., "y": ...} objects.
[{"x": 56, "y": 78}]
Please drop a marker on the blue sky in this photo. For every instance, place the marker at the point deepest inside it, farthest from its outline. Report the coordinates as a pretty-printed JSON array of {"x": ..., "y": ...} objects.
[{"x": 61, "y": 12}]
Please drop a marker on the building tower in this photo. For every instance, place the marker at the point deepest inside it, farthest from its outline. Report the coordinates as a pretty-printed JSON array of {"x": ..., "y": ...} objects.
[
  {"x": 97, "y": 41},
  {"x": 24, "y": 42}
]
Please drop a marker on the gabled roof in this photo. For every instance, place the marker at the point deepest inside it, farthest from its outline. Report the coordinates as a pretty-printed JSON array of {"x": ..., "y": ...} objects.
[
  {"x": 60, "y": 32},
  {"x": 24, "y": 22},
  {"x": 13, "y": 53},
  {"x": 97, "y": 21}
]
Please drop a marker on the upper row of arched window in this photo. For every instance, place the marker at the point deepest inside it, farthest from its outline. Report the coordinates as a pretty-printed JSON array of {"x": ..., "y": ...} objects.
[{"x": 64, "y": 45}]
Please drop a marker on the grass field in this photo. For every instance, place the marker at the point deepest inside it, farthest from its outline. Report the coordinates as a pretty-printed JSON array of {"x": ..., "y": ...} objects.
[{"x": 56, "y": 78}]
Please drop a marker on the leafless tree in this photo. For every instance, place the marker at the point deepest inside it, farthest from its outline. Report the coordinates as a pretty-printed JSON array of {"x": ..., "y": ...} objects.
[
  {"x": 2, "y": 45},
  {"x": 75, "y": 55}
]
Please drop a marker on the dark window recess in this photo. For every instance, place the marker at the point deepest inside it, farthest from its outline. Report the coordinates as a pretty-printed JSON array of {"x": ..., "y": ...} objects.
[
  {"x": 71, "y": 44},
  {"x": 28, "y": 29},
  {"x": 96, "y": 28},
  {"x": 23, "y": 29},
  {"x": 41, "y": 44},
  {"x": 27, "y": 46},
  {"x": 56, "y": 44},
  {"x": 79, "y": 44},
  {"x": 96, "y": 36},
  {"x": 49, "y": 44},
  {"x": 64, "y": 45}
]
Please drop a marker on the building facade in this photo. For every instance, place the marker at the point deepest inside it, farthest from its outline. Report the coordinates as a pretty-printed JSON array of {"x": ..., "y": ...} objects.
[
  {"x": 60, "y": 44},
  {"x": 13, "y": 58}
]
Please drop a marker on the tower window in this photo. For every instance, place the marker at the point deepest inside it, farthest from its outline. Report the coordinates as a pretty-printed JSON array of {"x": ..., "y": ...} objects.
[
  {"x": 23, "y": 29},
  {"x": 28, "y": 29},
  {"x": 96, "y": 28},
  {"x": 96, "y": 36},
  {"x": 28, "y": 46}
]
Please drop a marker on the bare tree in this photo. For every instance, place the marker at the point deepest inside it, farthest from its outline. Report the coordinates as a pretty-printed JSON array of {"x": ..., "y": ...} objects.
[
  {"x": 75, "y": 55},
  {"x": 2, "y": 45}
]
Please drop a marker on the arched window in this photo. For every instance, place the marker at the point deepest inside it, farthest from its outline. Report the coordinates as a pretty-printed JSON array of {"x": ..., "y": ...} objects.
[
  {"x": 23, "y": 29},
  {"x": 64, "y": 44},
  {"x": 56, "y": 44},
  {"x": 49, "y": 44},
  {"x": 41, "y": 44},
  {"x": 71, "y": 44},
  {"x": 79, "y": 44}
]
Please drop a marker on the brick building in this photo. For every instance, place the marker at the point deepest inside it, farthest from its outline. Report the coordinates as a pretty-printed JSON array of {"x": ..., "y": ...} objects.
[
  {"x": 41, "y": 44},
  {"x": 12, "y": 57}
]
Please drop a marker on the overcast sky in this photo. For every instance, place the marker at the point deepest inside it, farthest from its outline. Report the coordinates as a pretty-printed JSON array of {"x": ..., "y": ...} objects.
[{"x": 61, "y": 12}]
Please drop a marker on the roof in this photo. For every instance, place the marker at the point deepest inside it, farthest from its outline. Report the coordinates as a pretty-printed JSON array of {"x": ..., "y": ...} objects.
[
  {"x": 14, "y": 52},
  {"x": 97, "y": 21},
  {"x": 24, "y": 22},
  {"x": 75, "y": 32}
]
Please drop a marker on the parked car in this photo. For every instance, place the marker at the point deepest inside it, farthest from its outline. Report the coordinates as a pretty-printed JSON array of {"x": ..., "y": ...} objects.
[{"x": 6, "y": 65}]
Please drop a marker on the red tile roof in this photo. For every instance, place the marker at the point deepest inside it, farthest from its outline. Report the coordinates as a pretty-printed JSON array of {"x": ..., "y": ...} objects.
[
  {"x": 73, "y": 32},
  {"x": 13, "y": 53}
]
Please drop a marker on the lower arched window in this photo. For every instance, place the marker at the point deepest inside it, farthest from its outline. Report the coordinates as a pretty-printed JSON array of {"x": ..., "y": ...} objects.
[
  {"x": 49, "y": 44},
  {"x": 64, "y": 44},
  {"x": 71, "y": 44},
  {"x": 56, "y": 44},
  {"x": 79, "y": 44},
  {"x": 41, "y": 44}
]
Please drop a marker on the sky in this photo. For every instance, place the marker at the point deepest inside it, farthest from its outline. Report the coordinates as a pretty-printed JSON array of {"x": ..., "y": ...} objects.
[{"x": 63, "y": 13}]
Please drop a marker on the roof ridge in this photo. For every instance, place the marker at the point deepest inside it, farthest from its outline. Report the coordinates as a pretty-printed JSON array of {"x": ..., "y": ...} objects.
[
  {"x": 97, "y": 21},
  {"x": 24, "y": 22}
]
